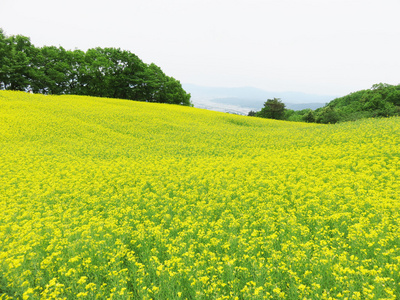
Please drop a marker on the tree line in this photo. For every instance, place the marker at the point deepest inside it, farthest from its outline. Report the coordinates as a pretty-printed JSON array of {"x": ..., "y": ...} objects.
[
  {"x": 102, "y": 72},
  {"x": 382, "y": 100}
]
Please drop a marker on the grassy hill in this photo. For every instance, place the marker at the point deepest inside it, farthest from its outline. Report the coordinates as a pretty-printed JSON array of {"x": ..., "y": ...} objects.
[
  {"x": 105, "y": 198},
  {"x": 382, "y": 100}
]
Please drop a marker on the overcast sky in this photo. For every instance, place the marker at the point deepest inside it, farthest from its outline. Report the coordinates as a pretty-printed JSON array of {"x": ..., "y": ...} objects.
[{"x": 329, "y": 47}]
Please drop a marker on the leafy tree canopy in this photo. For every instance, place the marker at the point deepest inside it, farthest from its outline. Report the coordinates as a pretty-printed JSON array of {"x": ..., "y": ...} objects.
[
  {"x": 273, "y": 109},
  {"x": 107, "y": 72}
]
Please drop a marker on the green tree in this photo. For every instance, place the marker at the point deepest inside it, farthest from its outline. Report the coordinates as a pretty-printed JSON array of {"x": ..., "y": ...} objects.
[
  {"x": 107, "y": 72},
  {"x": 175, "y": 94},
  {"x": 309, "y": 116},
  {"x": 52, "y": 71},
  {"x": 4, "y": 59},
  {"x": 17, "y": 69},
  {"x": 154, "y": 85},
  {"x": 273, "y": 109},
  {"x": 76, "y": 62},
  {"x": 163, "y": 89},
  {"x": 327, "y": 115}
]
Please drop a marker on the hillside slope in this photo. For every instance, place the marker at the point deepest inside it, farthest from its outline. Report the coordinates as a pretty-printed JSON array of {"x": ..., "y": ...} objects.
[{"x": 103, "y": 197}]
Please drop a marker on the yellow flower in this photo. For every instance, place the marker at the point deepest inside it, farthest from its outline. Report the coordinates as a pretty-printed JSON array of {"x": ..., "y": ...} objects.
[
  {"x": 152, "y": 198},
  {"x": 27, "y": 293},
  {"x": 82, "y": 280}
]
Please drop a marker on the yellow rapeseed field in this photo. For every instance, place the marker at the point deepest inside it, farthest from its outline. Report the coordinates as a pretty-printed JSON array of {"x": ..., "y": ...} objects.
[{"x": 113, "y": 199}]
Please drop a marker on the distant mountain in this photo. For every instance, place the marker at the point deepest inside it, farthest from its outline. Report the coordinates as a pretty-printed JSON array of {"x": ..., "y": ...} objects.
[
  {"x": 243, "y": 99},
  {"x": 301, "y": 106},
  {"x": 257, "y": 104}
]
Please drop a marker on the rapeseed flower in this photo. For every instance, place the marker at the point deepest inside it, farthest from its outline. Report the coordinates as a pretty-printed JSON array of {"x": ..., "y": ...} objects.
[{"x": 105, "y": 198}]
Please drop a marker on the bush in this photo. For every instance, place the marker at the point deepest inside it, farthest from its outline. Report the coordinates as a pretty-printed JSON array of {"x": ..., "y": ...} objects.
[{"x": 327, "y": 115}]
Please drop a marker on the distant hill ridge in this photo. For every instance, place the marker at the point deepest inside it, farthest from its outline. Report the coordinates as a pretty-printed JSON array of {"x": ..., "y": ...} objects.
[
  {"x": 381, "y": 100},
  {"x": 258, "y": 103},
  {"x": 244, "y": 99}
]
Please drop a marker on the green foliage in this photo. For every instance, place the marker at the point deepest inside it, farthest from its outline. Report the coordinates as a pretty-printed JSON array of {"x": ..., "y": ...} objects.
[
  {"x": 327, "y": 115},
  {"x": 382, "y": 100},
  {"x": 273, "y": 109},
  {"x": 309, "y": 116},
  {"x": 295, "y": 116},
  {"x": 15, "y": 68},
  {"x": 107, "y": 72},
  {"x": 3, "y": 58}
]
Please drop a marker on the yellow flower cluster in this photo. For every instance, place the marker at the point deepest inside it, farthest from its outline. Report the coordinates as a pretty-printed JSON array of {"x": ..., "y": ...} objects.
[{"x": 113, "y": 199}]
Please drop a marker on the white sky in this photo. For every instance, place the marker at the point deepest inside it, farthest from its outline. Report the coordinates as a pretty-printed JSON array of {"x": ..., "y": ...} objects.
[{"x": 315, "y": 46}]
